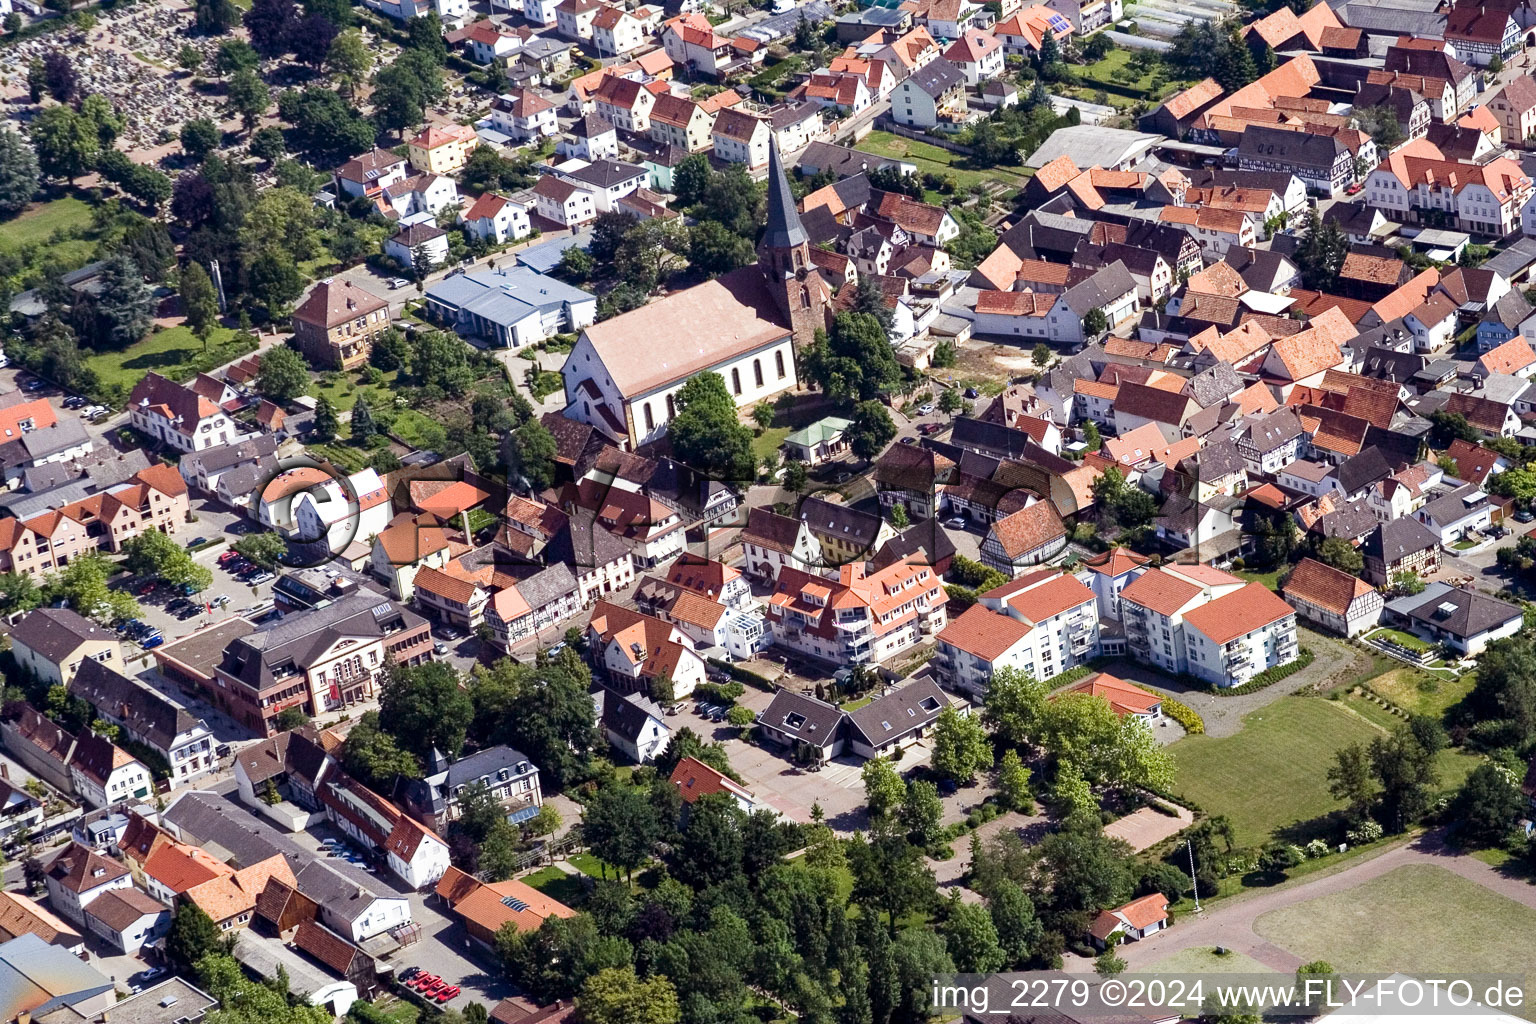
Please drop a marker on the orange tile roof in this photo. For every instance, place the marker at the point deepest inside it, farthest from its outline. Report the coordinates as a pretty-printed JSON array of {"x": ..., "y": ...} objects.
[
  {"x": 1324, "y": 586},
  {"x": 983, "y": 633},
  {"x": 1511, "y": 357},
  {"x": 1125, "y": 698},
  {"x": 1045, "y": 600},
  {"x": 1159, "y": 591},
  {"x": 1240, "y": 612}
]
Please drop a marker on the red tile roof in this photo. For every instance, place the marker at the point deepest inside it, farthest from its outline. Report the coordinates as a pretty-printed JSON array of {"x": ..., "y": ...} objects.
[{"x": 1240, "y": 612}]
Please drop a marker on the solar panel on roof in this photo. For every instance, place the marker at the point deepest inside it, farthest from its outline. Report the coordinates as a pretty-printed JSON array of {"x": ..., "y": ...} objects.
[{"x": 515, "y": 903}]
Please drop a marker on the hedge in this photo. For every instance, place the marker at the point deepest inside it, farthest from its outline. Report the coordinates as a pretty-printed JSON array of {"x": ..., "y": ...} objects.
[
  {"x": 743, "y": 675},
  {"x": 1268, "y": 677},
  {"x": 1180, "y": 712}
]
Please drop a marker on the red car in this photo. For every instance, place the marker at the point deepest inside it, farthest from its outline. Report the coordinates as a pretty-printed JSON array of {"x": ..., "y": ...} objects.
[
  {"x": 433, "y": 989},
  {"x": 228, "y": 556},
  {"x": 148, "y": 588},
  {"x": 447, "y": 993},
  {"x": 422, "y": 983}
]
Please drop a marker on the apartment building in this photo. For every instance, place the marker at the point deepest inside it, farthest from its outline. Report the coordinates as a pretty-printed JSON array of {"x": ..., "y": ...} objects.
[
  {"x": 859, "y": 617},
  {"x": 1208, "y": 623},
  {"x": 183, "y": 740},
  {"x": 1042, "y": 624},
  {"x": 317, "y": 660}
]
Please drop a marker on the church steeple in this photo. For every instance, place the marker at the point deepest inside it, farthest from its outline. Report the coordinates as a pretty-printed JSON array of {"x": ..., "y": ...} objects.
[
  {"x": 784, "y": 257},
  {"x": 784, "y": 228}
]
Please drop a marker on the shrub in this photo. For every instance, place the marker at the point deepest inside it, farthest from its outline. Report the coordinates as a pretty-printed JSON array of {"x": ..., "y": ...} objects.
[
  {"x": 1365, "y": 832},
  {"x": 1317, "y": 848},
  {"x": 1180, "y": 712},
  {"x": 744, "y": 675},
  {"x": 1268, "y": 677}
]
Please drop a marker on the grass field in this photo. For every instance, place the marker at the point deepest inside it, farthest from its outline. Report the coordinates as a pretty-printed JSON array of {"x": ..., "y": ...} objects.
[
  {"x": 1203, "y": 960},
  {"x": 931, "y": 159},
  {"x": 39, "y": 224},
  {"x": 175, "y": 353},
  {"x": 1420, "y": 692},
  {"x": 1273, "y": 773},
  {"x": 766, "y": 444},
  {"x": 1391, "y": 924},
  {"x": 1269, "y": 579},
  {"x": 558, "y": 885}
]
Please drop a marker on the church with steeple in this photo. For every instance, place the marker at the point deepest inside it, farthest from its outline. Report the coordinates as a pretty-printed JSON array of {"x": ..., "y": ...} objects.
[{"x": 622, "y": 375}]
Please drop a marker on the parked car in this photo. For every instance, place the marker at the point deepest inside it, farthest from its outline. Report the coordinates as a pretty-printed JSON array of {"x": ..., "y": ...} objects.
[
  {"x": 152, "y": 642},
  {"x": 447, "y": 992},
  {"x": 1525, "y": 515},
  {"x": 73, "y": 402},
  {"x": 439, "y": 648},
  {"x": 398, "y": 282},
  {"x": 926, "y": 409},
  {"x": 955, "y": 522},
  {"x": 197, "y": 542}
]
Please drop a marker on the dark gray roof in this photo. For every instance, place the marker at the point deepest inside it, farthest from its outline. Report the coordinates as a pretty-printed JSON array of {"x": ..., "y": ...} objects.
[
  {"x": 914, "y": 706},
  {"x": 1510, "y": 311},
  {"x": 1518, "y": 257},
  {"x": 54, "y": 633},
  {"x": 582, "y": 541},
  {"x": 784, "y": 230},
  {"x": 625, "y": 716},
  {"x": 1360, "y": 471},
  {"x": 936, "y": 77},
  {"x": 212, "y": 460},
  {"x": 25, "y": 506},
  {"x": 205, "y": 818},
  {"x": 1106, "y": 285},
  {"x": 841, "y": 160},
  {"x": 1164, "y": 239},
  {"x": 971, "y": 433},
  {"x": 1297, "y": 149},
  {"x": 1040, "y": 232},
  {"x": 1455, "y": 505},
  {"x": 1217, "y": 459},
  {"x": 1259, "y": 268},
  {"x": 1354, "y": 520},
  {"x": 1215, "y": 384},
  {"x": 301, "y": 636},
  {"x": 924, "y": 539},
  {"x": 1269, "y": 432},
  {"x": 1396, "y": 539},
  {"x": 548, "y": 585},
  {"x": 68, "y": 432},
  {"x": 146, "y": 713},
  {"x": 1464, "y": 613},
  {"x": 606, "y": 173},
  {"x": 1388, "y": 364},
  {"x": 1277, "y": 182},
  {"x": 857, "y": 529},
  {"x": 488, "y": 762},
  {"x": 802, "y": 716},
  {"x": 590, "y": 126}
]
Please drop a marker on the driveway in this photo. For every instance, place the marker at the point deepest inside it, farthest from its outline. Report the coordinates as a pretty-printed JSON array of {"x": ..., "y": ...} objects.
[{"x": 1224, "y": 715}]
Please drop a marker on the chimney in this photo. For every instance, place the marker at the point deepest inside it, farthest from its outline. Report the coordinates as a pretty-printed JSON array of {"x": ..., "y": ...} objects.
[{"x": 5, "y": 771}]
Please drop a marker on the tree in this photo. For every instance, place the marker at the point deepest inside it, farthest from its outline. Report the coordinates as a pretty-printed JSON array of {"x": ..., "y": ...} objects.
[
  {"x": 1014, "y": 707},
  {"x": 1405, "y": 768},
  {"x": 271, "y": 24},
  {"x": 618, "y": 996},
  {"x": 18, "y": 172},
  {"x": 1321, "y": 254},
  {"x": 545, "y": 823},
  {"x": 249, "y": 97},
  {"x": 921, "y": 812},
  {"x": 1488, "y": 804},
  {"x": 898, "y": 516},
  {"x": 1095, "y": 322},
  {"x": 544, "y": 710},
  {"x": 854, "y": 361},
  {"x": 1013, "y": 782},
  {"x": 690, "y": 179},
  {"x": 871, "y": 429},
  {"x": 363, "y": 427},
  {"x": 264, "y": 549},
  {"x": 311, "y": 40},
  {"x": 531, "y": 454},
  {"x": 883, "y": 788},
  {"x": 349, "y": 57},
  {"x": 1084, "y": 731},
  {"x": 18, "y": 593},
  {"x": 199, "y": 302},
  {"x": 189, "y": 57},
  {"x": 282, "y": 376},
  {"x": 576, "y": 264},
  {"x": 1381, "y": 124},
  {"x": 621, "y": 826},
  {"x": 199, "y": 137},
  {"x": 124, "y": 304},
  {"x": 156, "y": 555},
  {"x": 374, "y": 756},
  {"x": 706, "y": 432},
  {"x": 13, "y": 24},
  {"x": 1341, "y": 554},
  {"x": 215, "y": 17},
  {"x": 1407, "y": 583},
  {"x": 1349, "y": 780},
  {"x": 1013, "y": 918},
  {"x": 795, "y": 476},
  {"x": 37, "y": 80},
  {"x": 889, "y": 874},
  {"x": 950, "y": 401},
  {"x": 960, "y": 747},
  {"x": 498, "y": 852},
  {"x": 714, "y": 249},
  {"x": 59, "y": 76},
  {"x": 65, "y": 142},
  {"x": 971, "y": 938},
  {"x": 234, "y": 54},
  {"x": 426, "y": 707},
  {"x": 326, "y": 422},
  {"x": 193, "y": 935}
]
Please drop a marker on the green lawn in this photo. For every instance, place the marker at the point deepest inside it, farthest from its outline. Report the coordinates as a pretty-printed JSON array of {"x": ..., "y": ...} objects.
[
  {"x": 1203, "y": 960},
  {"x": 1422, "y": 692},
  {"x": 343, "y": 391},
  {"x": 1269, "y": 579},
  {"x": 1401, "y": 922},
  {"x": 1402, "y": 639},
  {"x": 590, "y": 864},
  {"x": 558, "y": 885},
  {"x": 39, "y": 223},
  {"x": 175, "y": 353},
  {"x": 766, "y": 444},
  {"x": 931, "y": 159},
  {"x": 1272, "y": 773}
]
